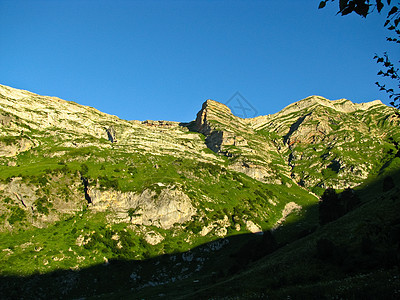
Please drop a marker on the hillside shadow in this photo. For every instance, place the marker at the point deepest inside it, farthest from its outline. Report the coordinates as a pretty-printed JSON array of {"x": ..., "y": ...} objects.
[
  {"x": 198, "y": 273},
  {"x": 330, "y": 262},
  {"x": 172, "y": 275}
]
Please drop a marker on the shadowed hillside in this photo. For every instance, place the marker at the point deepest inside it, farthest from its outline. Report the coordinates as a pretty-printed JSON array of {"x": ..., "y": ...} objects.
[{"x": 356, "y": 255}]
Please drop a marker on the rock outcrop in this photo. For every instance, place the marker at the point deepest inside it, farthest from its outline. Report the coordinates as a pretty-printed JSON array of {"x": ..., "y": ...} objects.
[
  {"x": 163, "y": 210},
  {"x": 111, "y": 134}
]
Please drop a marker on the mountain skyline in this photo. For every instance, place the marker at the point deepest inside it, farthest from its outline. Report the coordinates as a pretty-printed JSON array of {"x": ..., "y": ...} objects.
[
  {"x": 237, "y": 104},
  {"x": 158, "y": 59}
]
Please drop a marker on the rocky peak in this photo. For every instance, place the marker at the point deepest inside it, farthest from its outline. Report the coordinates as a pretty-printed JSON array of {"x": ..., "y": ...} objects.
[
  {"x": 307, "y": 105},
  {"x": 211, "y": 110},
  {"x": 340, "y": 105}
]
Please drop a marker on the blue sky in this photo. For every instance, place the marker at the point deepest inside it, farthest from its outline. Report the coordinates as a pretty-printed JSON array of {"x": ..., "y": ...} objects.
[{"x": 161, "y": 60}]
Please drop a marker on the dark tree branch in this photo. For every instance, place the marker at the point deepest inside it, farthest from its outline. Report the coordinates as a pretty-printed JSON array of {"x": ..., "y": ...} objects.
[{"x": 363, "y": 8}]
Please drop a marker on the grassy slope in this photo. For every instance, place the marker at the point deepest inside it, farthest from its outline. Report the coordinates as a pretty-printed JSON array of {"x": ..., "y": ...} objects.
[
  {"x": 362, "y": 260},
  {"x": 297, "y": 269},
  {"x": 216, "y": 192}
]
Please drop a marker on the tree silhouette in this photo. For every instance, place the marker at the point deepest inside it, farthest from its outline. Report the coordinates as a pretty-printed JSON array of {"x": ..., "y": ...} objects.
[
  {"x": 330, "y": 207},
  {"x": 349, "y": 200},
  {"x": 363, "y": 8},
  {"x": 388, "y": 184}
]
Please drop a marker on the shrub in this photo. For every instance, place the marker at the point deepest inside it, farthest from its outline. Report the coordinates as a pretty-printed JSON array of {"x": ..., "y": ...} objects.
[
  {"x": 65, "y": 169},
  {"x": 42, "y": 205},
  {"x": 84, "y": 169},
  {"x": 132, "y": 213},
  {"x": 17, "y": 215},
  {"x": 132, "y": 170},
  {"x": 330, "y": 207},
  {"x": 349, "y": 200},
  {"x": 388, "y": 184},
  {"x": 105, "y": 182},
  {"x": 42, "y": 181},
  {"x": 194, "y": 227}
]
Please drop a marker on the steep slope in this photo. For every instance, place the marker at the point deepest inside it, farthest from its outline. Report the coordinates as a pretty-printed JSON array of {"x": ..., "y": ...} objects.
[
  {"x": 156, "y": 180},
  {"x": 355, "y": 257},
  {"x": 247, "y": 152},
  {"x": 334, "y": 143},
  {"x": 130, "y": 190}
]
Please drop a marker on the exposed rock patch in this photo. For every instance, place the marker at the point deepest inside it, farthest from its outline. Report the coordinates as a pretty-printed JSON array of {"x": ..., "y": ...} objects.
[
  {"x": 153, "y": 238},
  {"x": 252, "y": 227},
  {"x": 290, "y": 207},
  {"x": 111, "y": 134},
  {"x": 15, "y": 146},
  {"x": 162, "y": 210}
]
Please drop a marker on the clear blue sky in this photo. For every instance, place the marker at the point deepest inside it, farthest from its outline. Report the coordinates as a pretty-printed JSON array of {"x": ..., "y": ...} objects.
[{"x": 161, "y": 59}]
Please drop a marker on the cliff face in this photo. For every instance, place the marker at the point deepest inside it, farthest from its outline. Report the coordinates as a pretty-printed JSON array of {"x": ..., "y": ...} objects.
[
  {"x": 317, "y": 142},
  {"x": 151, "y": 209},
  {"x": 342, "y": 141}
]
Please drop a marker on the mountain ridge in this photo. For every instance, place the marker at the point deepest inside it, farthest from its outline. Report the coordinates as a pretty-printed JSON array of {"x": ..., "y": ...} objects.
[
  {"x": 306, "y": 102},
  {"x": 80, "y": 189}
]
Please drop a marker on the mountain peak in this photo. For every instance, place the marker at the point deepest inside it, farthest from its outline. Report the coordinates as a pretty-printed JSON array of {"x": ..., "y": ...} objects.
[
  {"x": 341, "y": 105},
  {"x": 216, "y": 106},
  {"x": 211, "y": 110}
]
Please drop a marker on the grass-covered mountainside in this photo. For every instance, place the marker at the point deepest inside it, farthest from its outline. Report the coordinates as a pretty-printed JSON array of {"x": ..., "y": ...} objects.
[{"x": 221, "y": 207}]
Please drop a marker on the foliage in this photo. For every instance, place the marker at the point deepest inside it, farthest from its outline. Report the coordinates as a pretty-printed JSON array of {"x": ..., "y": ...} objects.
[
  {"x": 330, "y": 208},
  {"x": 84, "y": 169},
  {"x": 388, "y": 184},
  {"x": 110, "y": 183},
  {"x": 42, "y": 205},
  {"x": 17, "y": 215},
  {"x": 391, "y": 72},
  {"x": 364, "y": 8}
]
